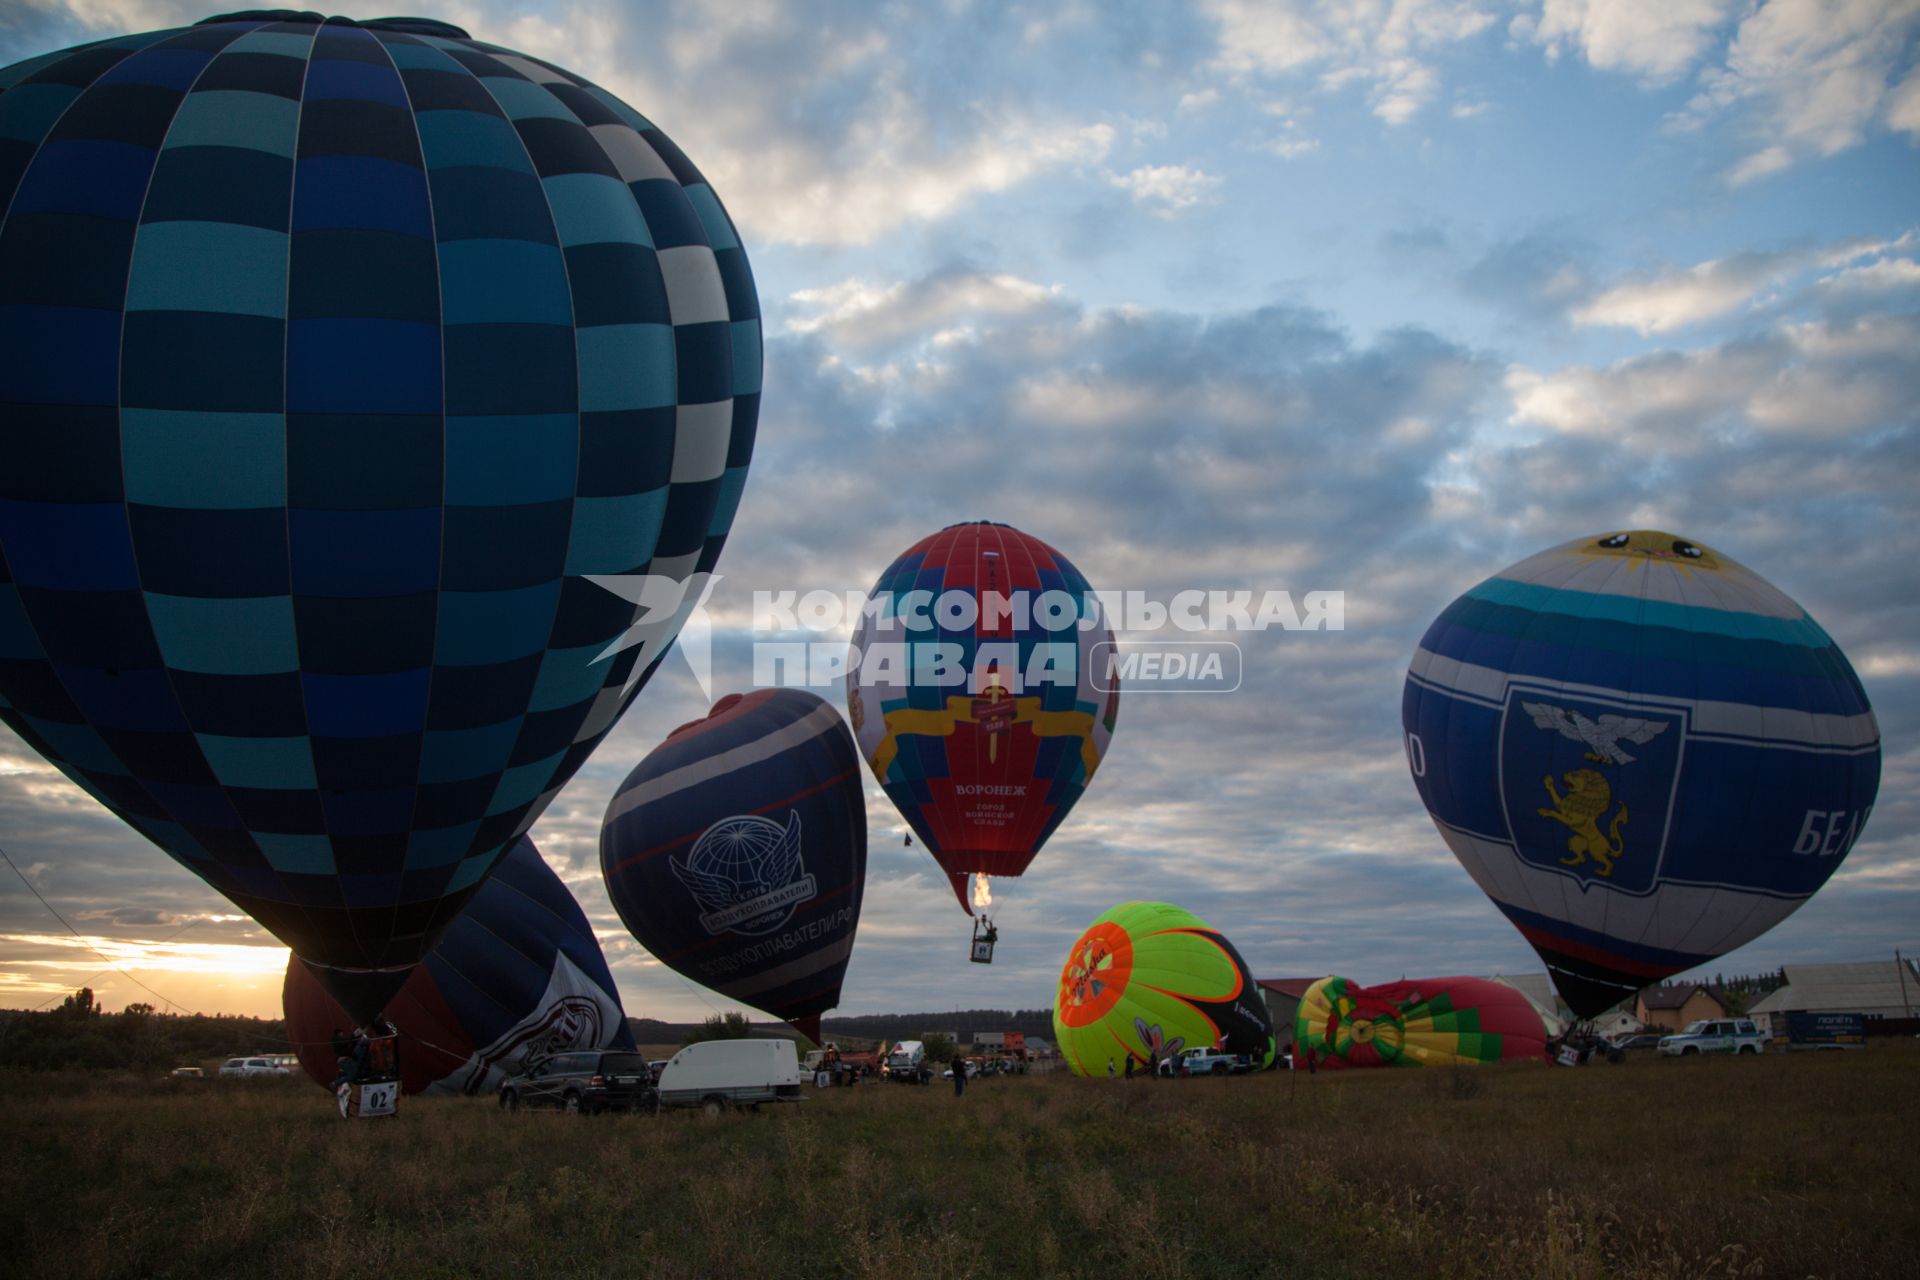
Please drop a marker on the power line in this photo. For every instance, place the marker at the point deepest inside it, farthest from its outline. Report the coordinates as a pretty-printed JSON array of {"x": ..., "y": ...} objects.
[{"x": 81, "y": 938}]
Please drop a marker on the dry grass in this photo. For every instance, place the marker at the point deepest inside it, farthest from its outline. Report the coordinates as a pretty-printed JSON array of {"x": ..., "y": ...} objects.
[{"x": 1788, "y": 1166}]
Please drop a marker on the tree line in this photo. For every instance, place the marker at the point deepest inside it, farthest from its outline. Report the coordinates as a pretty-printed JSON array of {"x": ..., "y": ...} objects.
[{"x": 78, "y": 1034}]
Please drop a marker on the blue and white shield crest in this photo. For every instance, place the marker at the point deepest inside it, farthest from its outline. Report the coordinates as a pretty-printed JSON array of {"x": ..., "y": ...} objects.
[{"x": 1587, "y": 783}]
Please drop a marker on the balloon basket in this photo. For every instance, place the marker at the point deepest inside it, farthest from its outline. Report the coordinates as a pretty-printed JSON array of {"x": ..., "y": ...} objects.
[
  {"x": 984, "y": 936},
  {"x": 367, "y": 1099}
]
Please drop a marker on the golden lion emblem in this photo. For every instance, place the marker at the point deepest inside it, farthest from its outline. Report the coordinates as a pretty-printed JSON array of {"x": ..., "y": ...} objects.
[{"x": 1588, "y": 797}]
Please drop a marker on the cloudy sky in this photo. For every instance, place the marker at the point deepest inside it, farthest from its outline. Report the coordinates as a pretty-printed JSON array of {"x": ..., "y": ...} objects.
[{"x": 1367, "y": 297}]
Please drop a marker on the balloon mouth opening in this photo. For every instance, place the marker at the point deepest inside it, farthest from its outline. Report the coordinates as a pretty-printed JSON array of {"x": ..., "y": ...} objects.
[{"x": 406, "y": 26}]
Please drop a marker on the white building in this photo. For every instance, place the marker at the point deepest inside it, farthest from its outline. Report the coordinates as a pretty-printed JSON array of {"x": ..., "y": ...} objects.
[{"x": 1874, "y": 988}]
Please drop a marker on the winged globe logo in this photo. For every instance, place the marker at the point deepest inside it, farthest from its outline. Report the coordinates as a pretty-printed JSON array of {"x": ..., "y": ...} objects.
[
  {"x": 746, "y": 873},
  {"x": 1598, "y": 816}
]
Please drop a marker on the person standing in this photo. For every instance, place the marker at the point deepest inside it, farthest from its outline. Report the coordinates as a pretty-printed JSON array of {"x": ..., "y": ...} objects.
[
  {"x": 959, "y": 1076},
  {"x": 1109, "y": 1068},
  {"x": 1129, "y": 1066}
]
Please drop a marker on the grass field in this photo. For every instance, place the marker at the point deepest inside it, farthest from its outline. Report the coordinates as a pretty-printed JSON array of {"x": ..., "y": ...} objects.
[{"x": 1783, "y": 1166}]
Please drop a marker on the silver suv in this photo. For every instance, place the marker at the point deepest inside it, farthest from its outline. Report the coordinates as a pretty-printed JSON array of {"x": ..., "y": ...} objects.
[
  {"x": 1715, "y": 1035},
  {"x": 252, "y": 1068}
]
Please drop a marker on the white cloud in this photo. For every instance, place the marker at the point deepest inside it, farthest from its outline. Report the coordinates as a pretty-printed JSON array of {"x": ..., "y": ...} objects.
[
  {"x": 1672, "y": 300},
  {"x": 859, "y": 313},
  {"x": 1811, "y": 381},
  {"x": 1168, "y": 189},
  {"x": 1654, "y": 40},
  {"x": 1385, "y": 47},
  {"x": 1815, "y": 78}
]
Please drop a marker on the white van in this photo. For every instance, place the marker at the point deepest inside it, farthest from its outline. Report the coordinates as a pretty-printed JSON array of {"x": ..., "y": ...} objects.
[{"x": 715, "y": 1074}]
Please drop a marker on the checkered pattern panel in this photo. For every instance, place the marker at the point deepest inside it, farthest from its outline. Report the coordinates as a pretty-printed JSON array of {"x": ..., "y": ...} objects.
[{"x": 336, "y": 355}]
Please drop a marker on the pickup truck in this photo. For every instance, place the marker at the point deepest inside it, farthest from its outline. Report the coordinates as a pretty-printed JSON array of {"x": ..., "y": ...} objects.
[
  {"x": 907, "y": 1064},
  {"x": 1204, "y": 1061},
  {"x": 1715, "y": 1035}
]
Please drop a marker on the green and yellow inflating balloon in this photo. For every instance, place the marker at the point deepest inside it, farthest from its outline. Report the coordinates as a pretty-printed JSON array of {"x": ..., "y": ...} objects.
[
  {"x": 1419, "y": 1022},
  {"x": 1148, "y": 979}
]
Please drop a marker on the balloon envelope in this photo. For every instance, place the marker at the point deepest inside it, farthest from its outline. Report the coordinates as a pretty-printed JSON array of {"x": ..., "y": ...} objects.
[
  {"x": 1428, "y": 1022},
  {"x": 517, "y": 977},
  {"x": 1644, "y": 753},
  {"x": 736, "y": 852},
  {"x": 336, "y": 360},
  {"x": 985, "y": 756},
  {"x": 1148, "y": 979}
]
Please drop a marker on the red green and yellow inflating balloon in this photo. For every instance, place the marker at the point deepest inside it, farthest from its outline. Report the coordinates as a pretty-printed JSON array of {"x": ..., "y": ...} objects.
[
  {"x": 1148, "y": 979},
  {"x": 1427, "y": 1022}
]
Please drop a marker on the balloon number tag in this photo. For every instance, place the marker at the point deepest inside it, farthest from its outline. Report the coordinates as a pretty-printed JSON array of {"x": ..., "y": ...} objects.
[{"x": 381, "y": 1098}]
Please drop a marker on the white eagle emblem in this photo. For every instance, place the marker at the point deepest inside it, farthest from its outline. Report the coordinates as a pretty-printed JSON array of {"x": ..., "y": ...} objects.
[
  {"x": 1602, "y": 737},
  {"x": 746, "y": 873}
]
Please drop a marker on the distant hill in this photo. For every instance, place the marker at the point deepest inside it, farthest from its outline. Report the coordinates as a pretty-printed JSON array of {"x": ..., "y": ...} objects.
[
  {"x": 967, "y": 1024},
  {"x": 654, "y": 1031}
]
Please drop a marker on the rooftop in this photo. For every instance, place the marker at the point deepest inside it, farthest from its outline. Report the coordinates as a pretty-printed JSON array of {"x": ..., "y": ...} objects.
[
  {"x": 1857, "y": 987},
  {"x": 1673, "y": 997}
]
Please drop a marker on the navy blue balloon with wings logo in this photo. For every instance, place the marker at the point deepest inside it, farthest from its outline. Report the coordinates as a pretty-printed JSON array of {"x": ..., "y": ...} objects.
[
  {"x": 736, "y": 852},
  {"x": 337, "y": 361}
]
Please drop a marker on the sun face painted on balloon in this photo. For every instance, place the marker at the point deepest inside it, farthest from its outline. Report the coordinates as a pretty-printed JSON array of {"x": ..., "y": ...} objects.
[{"x": 1643, "y": 545}]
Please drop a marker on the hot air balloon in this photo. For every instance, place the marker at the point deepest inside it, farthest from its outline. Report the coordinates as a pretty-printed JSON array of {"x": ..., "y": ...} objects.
[
  {"x": 1427, "y": 1022},
  {"x": 981, "y": 693},
  {"x": 736, "y": 852},
  {"x": 1147, "y": 980},
  {"x": 517, "y": 977},
  {"x": 370, "y": 393},
  {"x": 1643, "y": 752}
]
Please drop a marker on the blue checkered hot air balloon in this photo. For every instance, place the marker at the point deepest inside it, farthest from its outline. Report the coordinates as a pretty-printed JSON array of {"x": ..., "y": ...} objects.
[
  {"x": 336, "y": 359},
  {"x": 1643, "y": 752}
]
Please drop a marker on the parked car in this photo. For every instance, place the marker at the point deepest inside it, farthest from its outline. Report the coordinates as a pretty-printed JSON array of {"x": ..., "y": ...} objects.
[
  {"x": 1715, "y": 1035},
  {"x": 716, "y": 1074},
  {"x": 252, "y": 1068},
  {"x": 186, "y": 1073},
  {"x": 1640, "y": 1040},
  {"x": 656, "y": 1066},
  {"x": 588, "y": 1080}
]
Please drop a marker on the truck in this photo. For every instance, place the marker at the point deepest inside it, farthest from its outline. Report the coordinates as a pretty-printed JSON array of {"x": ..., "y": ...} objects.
[
  {"x": 1715, "y": 1035},
  {"x": 907, "y": 1064},
  {"x": 1809, "y": 1030},
  {"x": 1204, "y": 1060},
  {"x": 716, "y": 1074}
]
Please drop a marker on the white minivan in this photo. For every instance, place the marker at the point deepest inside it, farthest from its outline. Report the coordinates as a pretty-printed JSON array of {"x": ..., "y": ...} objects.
[{"x": 716, "y": 1074}]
